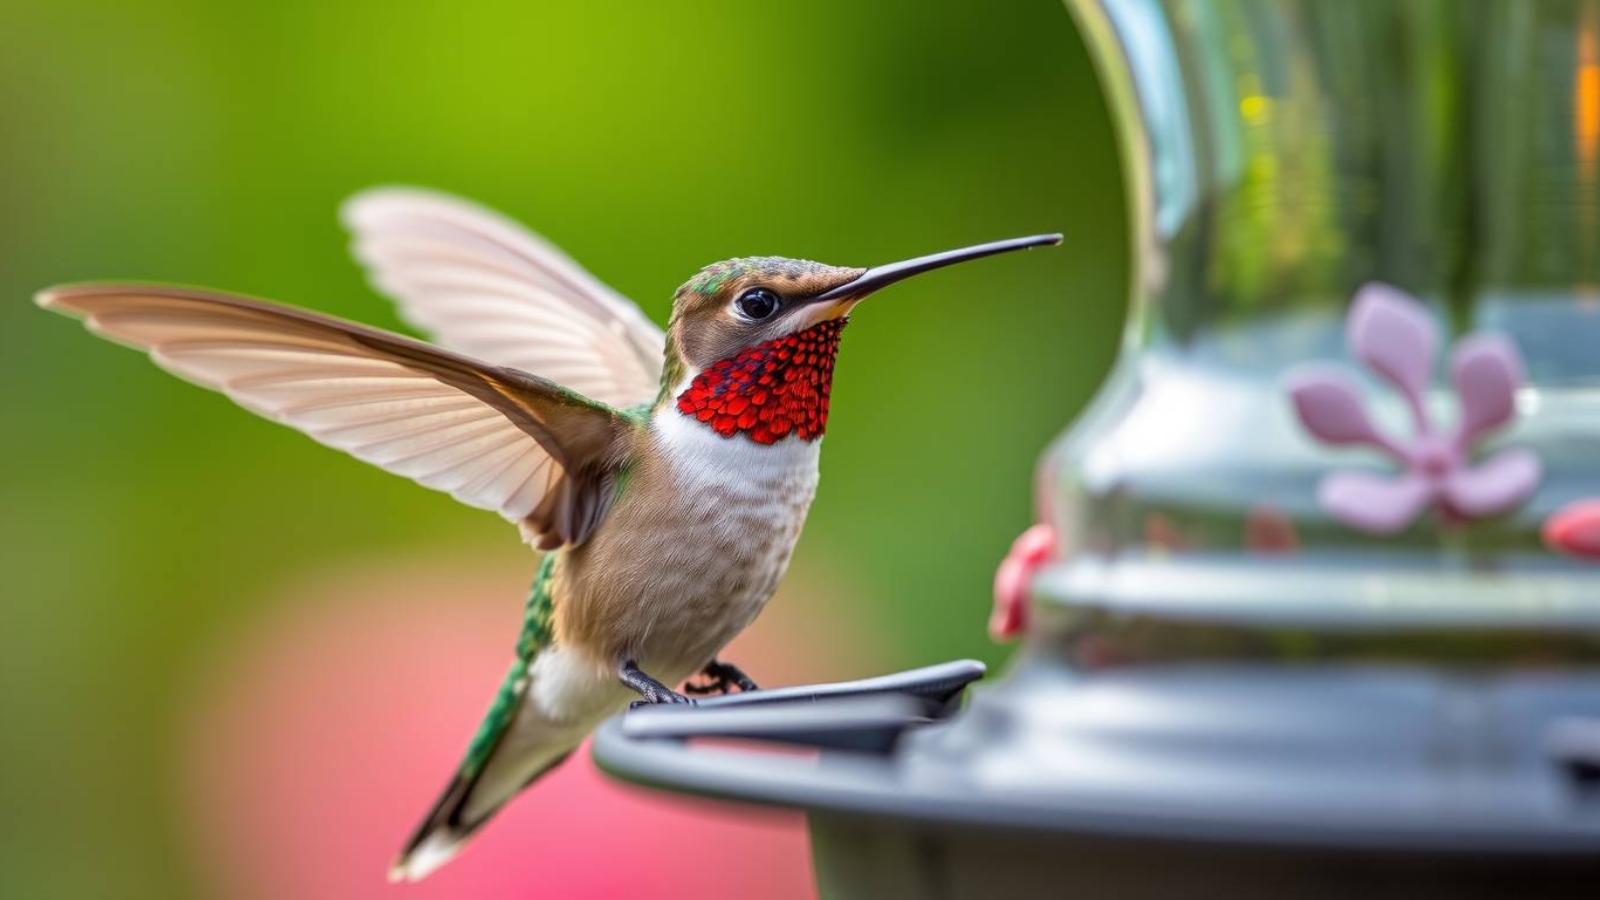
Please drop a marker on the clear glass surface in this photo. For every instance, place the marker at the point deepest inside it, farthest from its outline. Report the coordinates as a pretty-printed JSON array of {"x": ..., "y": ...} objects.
[{"x": 1278, "y": 155}]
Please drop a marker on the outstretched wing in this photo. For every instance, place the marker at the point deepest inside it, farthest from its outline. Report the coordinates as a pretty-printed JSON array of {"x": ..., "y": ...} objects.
[
  {"x": 483, "y": 285},
  {"x": 492, "y": 437}
]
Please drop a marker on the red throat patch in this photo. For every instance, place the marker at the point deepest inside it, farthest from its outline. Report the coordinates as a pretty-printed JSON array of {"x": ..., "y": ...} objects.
[{"x": 769, "y": 390}]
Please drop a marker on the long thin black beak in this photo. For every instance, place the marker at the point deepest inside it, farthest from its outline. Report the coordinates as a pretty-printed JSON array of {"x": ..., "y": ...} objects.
[{"x": 882, "y": 276}]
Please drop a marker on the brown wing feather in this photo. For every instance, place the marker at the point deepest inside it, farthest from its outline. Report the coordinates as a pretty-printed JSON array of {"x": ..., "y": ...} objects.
[{"x": 494, "y": 437}]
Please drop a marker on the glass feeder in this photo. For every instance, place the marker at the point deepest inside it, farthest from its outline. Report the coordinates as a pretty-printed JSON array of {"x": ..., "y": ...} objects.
[
  {"x": 1322, "y": 611},
  {"x": 1292, "y": 165}
]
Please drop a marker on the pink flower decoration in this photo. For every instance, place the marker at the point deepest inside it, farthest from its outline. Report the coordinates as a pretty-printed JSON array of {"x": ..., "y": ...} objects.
[
  {"x": 1574, "y": 529},
  {"x": 1393, "y": 336},
  {"x": 1028, "y": 554}
]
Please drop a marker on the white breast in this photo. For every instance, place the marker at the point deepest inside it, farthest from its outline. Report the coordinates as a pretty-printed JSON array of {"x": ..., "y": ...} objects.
[
  {"x": 755, "y": 497},
  {"x": 701, "y": 455}
]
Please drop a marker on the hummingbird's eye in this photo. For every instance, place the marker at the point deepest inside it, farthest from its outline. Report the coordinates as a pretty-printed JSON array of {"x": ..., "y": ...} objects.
[{"x": 757, "y": 304}]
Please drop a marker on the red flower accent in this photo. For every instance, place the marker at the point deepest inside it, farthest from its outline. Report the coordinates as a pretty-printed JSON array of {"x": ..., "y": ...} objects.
[
  {"x": 1575, "y": 529},
  {"x": 771, "y": 390},
  {"x": 1029, "y": 553}
]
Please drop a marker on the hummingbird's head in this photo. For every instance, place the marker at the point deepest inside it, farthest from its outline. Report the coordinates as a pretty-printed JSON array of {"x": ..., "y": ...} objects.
[
  {"x": 749, "y": 333},
  {"x": 740, "y": 303}
]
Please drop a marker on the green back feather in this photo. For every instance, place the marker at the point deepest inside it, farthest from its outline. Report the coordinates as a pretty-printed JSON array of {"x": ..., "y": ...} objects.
[{"x": 538, "y": 627}]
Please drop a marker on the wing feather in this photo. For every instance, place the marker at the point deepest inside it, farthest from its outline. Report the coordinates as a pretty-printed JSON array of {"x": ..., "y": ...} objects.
[
  {"x": 492, "y": 437},
  {"x": 483, "y": 285}
]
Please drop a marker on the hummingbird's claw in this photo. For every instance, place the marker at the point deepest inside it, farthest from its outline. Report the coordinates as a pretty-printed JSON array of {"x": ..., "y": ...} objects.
[
  {"x": 653, "y": 691},
  {"x": 668, "y": 700},
  {"x": 724, "y": 677},
  {"x": 665, "y": 697}
]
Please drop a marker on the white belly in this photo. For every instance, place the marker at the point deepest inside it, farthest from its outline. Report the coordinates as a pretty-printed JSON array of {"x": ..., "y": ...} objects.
[{"x": 743, "y": 507}]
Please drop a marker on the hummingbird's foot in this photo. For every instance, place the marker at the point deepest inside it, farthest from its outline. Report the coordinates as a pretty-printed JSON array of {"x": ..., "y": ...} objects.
[
  {"x": 650, "y": 689},
  {"x": 724, "y": 677}
]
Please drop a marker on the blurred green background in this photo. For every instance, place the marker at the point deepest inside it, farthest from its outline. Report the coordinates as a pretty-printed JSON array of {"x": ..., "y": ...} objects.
[{"x": 207, "y": 143}]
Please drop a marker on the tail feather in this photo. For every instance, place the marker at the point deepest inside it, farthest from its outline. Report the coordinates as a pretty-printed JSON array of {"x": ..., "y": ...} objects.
[
  {"x": 462, "y": 807},
  {"x": 446, "y": 828},
  {"x": 440, "y": 836},
  {"x": 517, "y": 743}
]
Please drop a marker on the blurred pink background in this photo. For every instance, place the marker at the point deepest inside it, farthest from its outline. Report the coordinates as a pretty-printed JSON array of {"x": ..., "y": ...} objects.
[{"x": 333, "y": 718}]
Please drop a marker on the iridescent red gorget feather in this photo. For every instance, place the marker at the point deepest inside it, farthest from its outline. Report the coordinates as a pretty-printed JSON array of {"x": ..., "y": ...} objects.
[{"x": 767, "y": 391}]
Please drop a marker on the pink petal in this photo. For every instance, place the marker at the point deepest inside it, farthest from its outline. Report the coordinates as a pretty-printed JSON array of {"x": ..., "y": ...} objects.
[
  {"x": 1329, "y": 406},
  {"x": 1393, "y": 334},
  {"x": 1372, "y": 503},
  {"x": 1494, "y": 486},
  {"x": 1575, "y": 529},
  {"x": 1010, "y": 615},
  {"x": 1031, "y": 551},
  {"x": 1036, "y": 546},
  {"x": 1486, "y": 369}
]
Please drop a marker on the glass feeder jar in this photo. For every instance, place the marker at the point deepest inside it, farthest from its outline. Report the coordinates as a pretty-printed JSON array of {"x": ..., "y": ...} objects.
[{"x": 1283, "y": 161}]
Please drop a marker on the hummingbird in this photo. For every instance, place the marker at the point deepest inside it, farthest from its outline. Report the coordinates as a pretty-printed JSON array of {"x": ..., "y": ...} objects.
[{"x": 664, "y": 475}]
